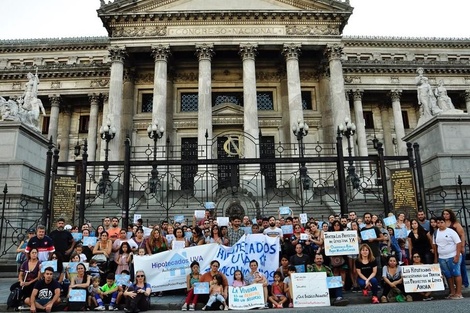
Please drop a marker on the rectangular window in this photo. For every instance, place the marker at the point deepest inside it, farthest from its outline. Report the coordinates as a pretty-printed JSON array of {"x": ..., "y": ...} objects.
[
  {"x": 147, "y": 102},
  {"x": 189, "y": 102},
  {"x": 368, "y": 119},
  {"x": 406, "y": 121},
  {"x": 264, "y": 100},
  {"x": 188, "y": 152},
  {"x": 227, "y": 97},
  {"x": 306, "y": 100},
  {"x": 268, "y": 170},
  {"x": 83, "y": 124}
]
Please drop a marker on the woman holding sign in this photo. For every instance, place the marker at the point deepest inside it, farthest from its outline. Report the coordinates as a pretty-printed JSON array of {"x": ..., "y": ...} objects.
[
  {"x": 191, "y": 278},
  {"x": 366, "y": 268}
]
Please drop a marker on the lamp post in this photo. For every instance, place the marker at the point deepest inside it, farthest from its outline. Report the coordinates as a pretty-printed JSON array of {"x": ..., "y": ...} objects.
[
  {"x": 349, "y": 130},
  {"x": 300, "y": 130},
  {"x": 107, "y": 133},
  {"x": 154, "y": 133}
]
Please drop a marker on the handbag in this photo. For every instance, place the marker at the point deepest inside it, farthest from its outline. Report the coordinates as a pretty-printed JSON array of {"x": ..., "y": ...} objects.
[
  {"x": 336, "y": 261},
  {"x": 100, "y": 258}
]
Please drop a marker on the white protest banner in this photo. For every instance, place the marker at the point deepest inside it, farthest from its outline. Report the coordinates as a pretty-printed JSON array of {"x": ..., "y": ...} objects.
[
  {"x": 167, "y": 270},
  {"x": 259, "y": 247},
  {"x": 341, "y": 242},
  {"x": 308, "y": 294},
  {"x": 246, "y": 297},
  {"x": 422, "y": 278}
]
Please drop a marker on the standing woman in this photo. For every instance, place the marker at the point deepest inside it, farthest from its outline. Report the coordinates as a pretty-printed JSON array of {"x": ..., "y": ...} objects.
[
  {"x": 21, "y": 254},
  {"x": 420, "y": 241},
  {"x": 197, "y": 238},
  {"x": 156, "y": 242},
  {"x": 366, "y": 268},
  {"x": 29, "y": 273},
  {"x": 137, "y": 294},
  {"x": 216, "y": 236},
  {"x": 139, "y": 238}
]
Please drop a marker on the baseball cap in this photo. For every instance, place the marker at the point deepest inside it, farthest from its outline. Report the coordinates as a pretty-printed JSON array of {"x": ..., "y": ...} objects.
[
  {"x": 31, "y": 231},
  {"x": 68, "y": 227}
]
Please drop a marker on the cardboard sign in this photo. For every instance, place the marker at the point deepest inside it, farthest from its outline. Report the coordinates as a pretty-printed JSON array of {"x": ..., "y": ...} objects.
[
  {"x": 246, "y": 297},
  {"x": 422, "y": 278},
  {"x": 222, "y": 221},
  {"x": 77, "y": 295},
  {"x": 341, "y": 242},
  {"x": 201, "y": 288},
  {"x": 305, "y": 294}
]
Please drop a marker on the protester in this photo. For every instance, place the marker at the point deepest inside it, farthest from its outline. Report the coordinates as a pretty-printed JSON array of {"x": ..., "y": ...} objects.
[
  {"x": 191, "y": 279},
  {"x": 366, "y": 268},
  {"x": 42, "y": 243},
  {"x": 46, "y": 293},
  {"x": 137, "y": 295}
]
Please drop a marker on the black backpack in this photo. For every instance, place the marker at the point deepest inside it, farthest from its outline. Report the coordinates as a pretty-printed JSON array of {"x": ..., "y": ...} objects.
[{"x": 14, "y": 299}]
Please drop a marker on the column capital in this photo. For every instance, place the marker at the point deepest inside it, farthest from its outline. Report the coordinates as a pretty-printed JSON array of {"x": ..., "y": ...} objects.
[
  {"x": 357, "y": 94},
  {"x": 205, "y": 51},
  {"x": 248, "y": 51},
  {"x": 93, "y": 98},
  {"x": 395, "y": 95},
  {"x": 105, "y": 97},
  {"x": 291, "y": 51},
  {"x": 334, "y": 52},
  {"x": 161, "y": 52},
  {"x": 66, "y": 109},
  {"x": 467, "y": 95},
  {"x": 54, "y": 100},
  {"x": 129, "y": 75},
  {"x": 117, "y": 54}
]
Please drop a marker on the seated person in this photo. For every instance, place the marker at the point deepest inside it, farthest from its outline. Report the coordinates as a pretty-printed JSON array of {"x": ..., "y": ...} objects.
[
  {"x": 278, "y": 291},
  {"x": 107, "y": 292},
  {"x": 337, "y": 292},
  {"x": 393, "y": 280},
  {"x": 138, "y": 294},
  {"x": 46, "y": 293}
]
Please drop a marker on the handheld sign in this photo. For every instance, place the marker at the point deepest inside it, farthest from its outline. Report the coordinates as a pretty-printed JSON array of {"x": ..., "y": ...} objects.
[
  {"x": 422, "y": 278},
  {"x": 137, "y": 217},
  {"x": 77, "y": 295},
  {"x": 284, "y": 210},
  {"x": 52, "y": 264},
  {"x": 341, "y": 242},
  {"x": 179, "y": 218},
  {"x": 222, "y": 221},
  {"x": 209, "y": 205},
  {"x": 303, "y": 218},
  {"x": 201, "y": 288},
  {"x": 177, "y": 244},
  {"x": 89, "y": 241},
  {"x": 308, "y": 294},
  {"x": 367, "y": 234},
  {"x": 199, "y": 214}
]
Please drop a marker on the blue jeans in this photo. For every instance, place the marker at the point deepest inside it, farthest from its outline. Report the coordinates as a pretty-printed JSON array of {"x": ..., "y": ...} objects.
[
  {"x": 463, "y": 271},
  {"x": 449, "y": 268},
  {"x": 374, "y": 282}
]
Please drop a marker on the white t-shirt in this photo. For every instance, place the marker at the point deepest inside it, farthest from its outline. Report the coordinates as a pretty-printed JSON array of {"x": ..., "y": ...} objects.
[
  {"x": 273, "y": 232},
  {"x": 446, "y": 241}
]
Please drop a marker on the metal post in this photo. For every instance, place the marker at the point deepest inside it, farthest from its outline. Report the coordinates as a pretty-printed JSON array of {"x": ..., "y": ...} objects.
[
  {"x": 81, "y": 208},
  {"x": 419, "y": 170},
  {"x": 464, "y": 209},
  {"x": 383, "y": 173},
  {"x": 5, "y": 191},
  {"x": 341, "y": 175},
  {"x": 47, "y": 183},
  {"x": 126, "y": 183}
]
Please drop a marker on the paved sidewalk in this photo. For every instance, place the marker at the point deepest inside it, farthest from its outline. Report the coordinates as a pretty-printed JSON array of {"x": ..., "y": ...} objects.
[{"x": 173, "y": 300}]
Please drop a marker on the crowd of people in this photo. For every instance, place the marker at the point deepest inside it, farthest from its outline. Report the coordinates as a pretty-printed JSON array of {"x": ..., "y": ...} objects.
[{"x": 375, "y": 271}]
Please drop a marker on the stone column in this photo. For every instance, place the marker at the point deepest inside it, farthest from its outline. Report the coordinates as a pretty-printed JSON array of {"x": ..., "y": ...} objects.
[
  {"x": 117, "y": 56},
  {"x": 65, "y": 133},
  {"x": 467, "y": 100},
  {"x": 339, "y": 106},
  {"x": 398, "y": 120},
  {"x": 387, "y": 130},
  {"x": 93, "y": 126},
  {"x": 105, "y": 115},
  {"x": 250, "y": 103},
  {"x": 360, "y": 125},
  {"x": 204, "y": 52},
  {"x": 159, "y": 108},
  {"x": 54, "y": 118},
  {"x": 292, "y": 52}
]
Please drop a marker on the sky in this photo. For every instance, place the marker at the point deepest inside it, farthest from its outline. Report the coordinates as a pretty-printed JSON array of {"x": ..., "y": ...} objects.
[{"x": 26, "y": 19}]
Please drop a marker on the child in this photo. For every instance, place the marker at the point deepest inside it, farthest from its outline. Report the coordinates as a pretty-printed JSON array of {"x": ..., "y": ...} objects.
[
  {"x": 108, "y": 290},
  {"x": 287, "y": 281},
  {"x": 123, "y": 285},
  {"x": 71, "y": 276},
  {"x": 123, "y": 258},
  {"x": 142, "y": 252},
  {"x": 238, "y": 280},
  {"x": 278, "y": 297},
  {"x": 93, "y": 269},
  {"x": 79, "y": 251},
  {"x": 216, "y": 292},
  {"x": 92, "y": 291}
]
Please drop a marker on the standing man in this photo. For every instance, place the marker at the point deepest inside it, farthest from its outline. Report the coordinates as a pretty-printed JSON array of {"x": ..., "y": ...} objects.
[
  {"x": 352, "y": 218},
  {"x": 423, "y": 221},
  {"x": 114, "y": 230},
  {"x": 272, "y": 230},
  {"x": 43, "y": 243},
  {"x": 374, "y": 243},
  {"x": 46, "y": 293},
  {"x": 344, "y": 222},
  {"x": 235, "y": 232},
  {"x": 447, "y": 246},
  {"x": 164, "y": 229},
  {"x": 63, "y": 240},
  {"x": 106, "y": 223}
]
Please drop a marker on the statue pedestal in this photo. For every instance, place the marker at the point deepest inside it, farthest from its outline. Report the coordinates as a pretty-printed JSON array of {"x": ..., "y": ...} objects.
[
  {"x": 22, "y": 159},
  {"x": 444, "y": 143}
]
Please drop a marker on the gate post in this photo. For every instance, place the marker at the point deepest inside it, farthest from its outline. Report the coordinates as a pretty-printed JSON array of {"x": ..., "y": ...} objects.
[
  {"x": 383, "y": 173},
  {"x": 419, "y": 170},
  {"x": 47, "y": 183},
  {"x": 5, "y": 191},
  {"x": 81, "y": 206},
  {"x": 341, "y": 175},
  {"x": 126, "y": 183}
]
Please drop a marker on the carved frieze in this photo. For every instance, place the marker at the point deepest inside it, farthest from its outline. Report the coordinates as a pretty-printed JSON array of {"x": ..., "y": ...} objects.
[
  {"x": 139, "y": 31},
  {"x": 55, "y": 84},
  {"x": 99, "y": 83},
  {"x": 263, "y": 76},
  {"x": 312, "y": 30}
]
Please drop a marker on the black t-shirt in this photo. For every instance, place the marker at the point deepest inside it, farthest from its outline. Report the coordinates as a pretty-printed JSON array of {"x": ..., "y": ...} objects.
[
  {"x": 46, "y": 291},
  {"x": 366, "y": 269},
  {"x": 374, "y": 245},
  {"x": 62, "y": 240}
]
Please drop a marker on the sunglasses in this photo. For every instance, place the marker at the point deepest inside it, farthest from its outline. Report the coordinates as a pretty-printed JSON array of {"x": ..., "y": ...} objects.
[{"x": 139, "y": 276}]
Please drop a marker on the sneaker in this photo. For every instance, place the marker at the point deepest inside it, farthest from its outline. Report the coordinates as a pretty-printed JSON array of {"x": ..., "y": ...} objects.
[
  {"x": 383, "y": 299},
  {"x": 191, "y": 307},
  {"x": 409, "y": 298},
  {"x": 184, "y": 307},
  {"x": 23, "y": 308},
  {"x": 375, "y": 300},
  {"x": 365, "y": 292},
  {"x": 100, "y": 308},
  {"x": 428, "y": 298},
  {"x": 204, "y": 308},
  {"x": 266, "y": 306},
  {"x": 112, "y": 308},
  {"x": 226, "y": 308},
  {"x": 340, "y": 301}
]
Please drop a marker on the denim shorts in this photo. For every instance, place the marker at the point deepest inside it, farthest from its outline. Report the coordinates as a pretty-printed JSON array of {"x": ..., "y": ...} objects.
[{"x": 449, "y": 268}]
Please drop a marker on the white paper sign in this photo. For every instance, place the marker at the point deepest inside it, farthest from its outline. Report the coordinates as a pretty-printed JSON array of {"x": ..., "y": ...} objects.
[
  {"x": 177, "y": 244},
  {"x": 306, "y": 294},
  {"x": 284, "y": 210},
  {"x": 341, "y": 242},
  {"x": 422, "y": 278},
  {"x": 304, "y": 236},
  {"x": 390, "y": 221},
  {"x": 246, "y": 297},
  {"x": 199, "y": 214},
  {"x": 222, "y": 221},
  {"x": 303, "y": 218},
  {"x": 367, "y": 234},
  {"x": 136, "y": 217}
]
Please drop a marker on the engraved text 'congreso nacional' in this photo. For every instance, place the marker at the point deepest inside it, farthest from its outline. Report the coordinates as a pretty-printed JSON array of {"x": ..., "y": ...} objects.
[{"x": 178, "y": 31}]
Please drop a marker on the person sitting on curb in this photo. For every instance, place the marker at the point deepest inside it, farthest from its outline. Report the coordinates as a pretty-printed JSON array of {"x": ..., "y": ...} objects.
[
  {"x": 318, "y": 266},
  {"x": 46, "y": 293}
]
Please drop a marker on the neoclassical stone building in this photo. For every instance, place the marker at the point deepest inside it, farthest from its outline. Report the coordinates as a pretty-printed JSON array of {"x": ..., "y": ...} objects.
[{"x": 204, "y": 68}]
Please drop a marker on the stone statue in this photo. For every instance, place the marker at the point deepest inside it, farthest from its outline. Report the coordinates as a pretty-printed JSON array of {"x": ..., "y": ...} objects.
[
  {"x": 426, "y": 99},
  {"x": 27, "y": 108},
  {"x": 443, "y": 100}
]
